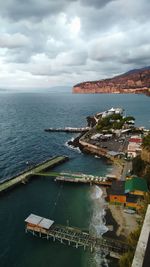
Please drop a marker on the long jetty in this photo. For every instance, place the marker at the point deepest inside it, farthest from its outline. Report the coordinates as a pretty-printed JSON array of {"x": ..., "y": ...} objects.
[
  {"x": 78, "y": 178},
  {"x": 91, "y": 181},
  {"x": 76, "y": 237},
  {"x": 25, "y": 175},
  {"x": 68, "y": 130}
]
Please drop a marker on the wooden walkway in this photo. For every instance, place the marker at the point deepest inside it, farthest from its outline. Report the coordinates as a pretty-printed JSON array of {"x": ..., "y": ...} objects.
[
  {"x": 85, "y": 180},
  {"x": 24, "y": 176},
  {"x": 78, "y": 238},
  {"x": 78, "y": 178}
]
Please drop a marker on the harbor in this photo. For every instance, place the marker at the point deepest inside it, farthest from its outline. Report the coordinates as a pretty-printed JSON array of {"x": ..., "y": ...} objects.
[
  {"x": 68, "y": 205},
  {"x": 24, "y": 176}
]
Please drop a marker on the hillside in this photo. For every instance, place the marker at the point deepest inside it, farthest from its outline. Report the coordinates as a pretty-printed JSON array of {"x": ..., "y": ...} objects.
[{"x": 134, "y": 81}]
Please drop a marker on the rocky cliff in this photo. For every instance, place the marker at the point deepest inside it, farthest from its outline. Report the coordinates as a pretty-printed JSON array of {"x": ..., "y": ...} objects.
[
  {"x": 136, "y": 81},
  {"x": 145, "y": 155}
]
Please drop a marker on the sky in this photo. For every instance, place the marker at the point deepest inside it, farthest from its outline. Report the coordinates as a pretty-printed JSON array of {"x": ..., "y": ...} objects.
[{"x": 46, "y": 43}]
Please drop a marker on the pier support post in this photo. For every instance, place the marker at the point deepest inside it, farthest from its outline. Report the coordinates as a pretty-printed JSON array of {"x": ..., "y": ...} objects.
[
  {"x": 47, "y": 237},
  {"x": 76, "y": 245},
  {"x": 54, "y": 238},
  {"x": 84, "y": 247},
  {"x": 69, "y": 242},
  {"x": 91, "y": 248},
  {"x": 61, "y": 240}
]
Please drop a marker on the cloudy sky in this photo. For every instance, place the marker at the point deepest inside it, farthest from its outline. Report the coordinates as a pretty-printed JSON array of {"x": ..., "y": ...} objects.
[{"x": 45, "y": 43}]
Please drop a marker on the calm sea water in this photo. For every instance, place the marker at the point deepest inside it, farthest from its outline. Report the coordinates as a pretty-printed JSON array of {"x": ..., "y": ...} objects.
[{"x": 23, "y": 117}]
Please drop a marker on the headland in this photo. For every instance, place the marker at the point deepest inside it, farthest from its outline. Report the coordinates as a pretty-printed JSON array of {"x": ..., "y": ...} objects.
[{"x": 132, "y": 82}]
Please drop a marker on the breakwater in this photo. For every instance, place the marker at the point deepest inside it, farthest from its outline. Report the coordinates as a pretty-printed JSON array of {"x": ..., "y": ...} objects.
[
  {"x": 25, "y": 175},
  {"x": 86, "y": 147}
]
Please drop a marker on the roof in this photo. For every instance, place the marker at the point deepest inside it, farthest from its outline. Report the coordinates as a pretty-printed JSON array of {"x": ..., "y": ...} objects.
[
  {"x": 39, "y": 221},
  {"x": 136, "y": 183},
  {"x": 135, "y": 140},
  {"x": 117, "y": 188}
]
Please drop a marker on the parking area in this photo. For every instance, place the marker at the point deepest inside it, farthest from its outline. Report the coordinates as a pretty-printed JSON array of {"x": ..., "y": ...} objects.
[{"x": 118, "y": 144}]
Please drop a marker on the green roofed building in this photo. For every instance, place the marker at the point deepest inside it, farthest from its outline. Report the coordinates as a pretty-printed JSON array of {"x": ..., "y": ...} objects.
[{"x": 136, "y": 186}]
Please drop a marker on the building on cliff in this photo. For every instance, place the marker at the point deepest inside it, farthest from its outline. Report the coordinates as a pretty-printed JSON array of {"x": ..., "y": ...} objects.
[{"x": 134, "y": 146}]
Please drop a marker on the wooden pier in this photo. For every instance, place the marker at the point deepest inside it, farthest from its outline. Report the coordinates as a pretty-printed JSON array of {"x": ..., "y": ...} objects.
[
  {"x": 86, "y": 180},
  {"x": 68, "y": 130},
  {"x": 46, "y": 228},
  {"x": 79, "y": 178},
  {"x": 25, "y": 175}
]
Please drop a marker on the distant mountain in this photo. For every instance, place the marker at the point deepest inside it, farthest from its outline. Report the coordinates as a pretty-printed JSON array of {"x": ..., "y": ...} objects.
[{"x": 133, "y": 81}]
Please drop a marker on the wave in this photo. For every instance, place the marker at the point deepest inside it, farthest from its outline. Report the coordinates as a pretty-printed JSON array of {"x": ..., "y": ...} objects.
[
  {"x": 77, "y": 149},
  {"x": 98, "y": 224},
  {"x": 97, "y": 157}
]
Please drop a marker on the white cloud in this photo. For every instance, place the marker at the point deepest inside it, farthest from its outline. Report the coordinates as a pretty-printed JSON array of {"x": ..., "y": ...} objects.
[
  {"x": 67, "y": 41},
  {"x": 12, "y": 41}
]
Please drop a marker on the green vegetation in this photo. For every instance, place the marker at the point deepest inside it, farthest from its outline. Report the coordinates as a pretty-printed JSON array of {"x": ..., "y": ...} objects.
[
  {"x": 146, "y": 142},
  {"x": 115, "y": 121},
  {"x": 127, "y": 258},
  {"x": 129, "y": 118}
]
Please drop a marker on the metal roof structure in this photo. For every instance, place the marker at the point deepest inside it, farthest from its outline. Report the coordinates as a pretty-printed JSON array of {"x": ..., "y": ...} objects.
[
  {"x": 136, "y": 183},
  {"x": 46, "y": 223},
  {"x": 39, "y": 221}
]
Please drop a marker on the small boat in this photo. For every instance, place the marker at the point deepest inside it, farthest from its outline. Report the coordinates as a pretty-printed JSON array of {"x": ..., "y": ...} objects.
[{"x": 129, "y": 211}]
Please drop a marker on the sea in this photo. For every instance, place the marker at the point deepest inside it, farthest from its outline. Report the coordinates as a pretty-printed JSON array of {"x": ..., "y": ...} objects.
[{"x": 23, "y": 117}]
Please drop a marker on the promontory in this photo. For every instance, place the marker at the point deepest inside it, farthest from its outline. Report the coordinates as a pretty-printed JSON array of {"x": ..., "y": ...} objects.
[{"x": 134, "y": 81}]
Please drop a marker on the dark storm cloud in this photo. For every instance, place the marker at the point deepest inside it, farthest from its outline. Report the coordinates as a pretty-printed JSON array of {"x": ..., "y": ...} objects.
[
  {"x": 32, "y": 9},
  {"x": 66, "y": 41},
  {"x": 96, "y": 3}
]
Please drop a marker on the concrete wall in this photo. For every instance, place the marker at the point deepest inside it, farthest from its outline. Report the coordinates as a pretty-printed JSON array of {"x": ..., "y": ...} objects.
[
  {"x": 93, "y": 149},
  {"x": 143, "y": 240}
]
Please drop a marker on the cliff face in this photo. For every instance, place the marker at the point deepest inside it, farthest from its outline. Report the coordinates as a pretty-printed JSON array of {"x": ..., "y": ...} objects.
[
  {"x": 145, "y": 155},
  {"x": 137, "y": 81}
]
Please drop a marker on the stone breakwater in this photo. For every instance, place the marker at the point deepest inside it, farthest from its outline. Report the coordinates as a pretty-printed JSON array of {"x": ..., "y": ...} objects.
[{"x": 89, "y": 148}]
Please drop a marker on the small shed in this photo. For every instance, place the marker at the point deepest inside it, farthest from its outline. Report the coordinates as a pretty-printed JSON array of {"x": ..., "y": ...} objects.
[{"x": 38, "y": 221}]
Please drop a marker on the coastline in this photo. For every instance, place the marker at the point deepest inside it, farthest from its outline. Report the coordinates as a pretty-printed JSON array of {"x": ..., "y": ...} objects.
[{"x": 113, "y": 221}]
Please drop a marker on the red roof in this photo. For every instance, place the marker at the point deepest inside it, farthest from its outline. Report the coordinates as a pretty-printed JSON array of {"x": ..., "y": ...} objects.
[{"x": 135, "y": 140}]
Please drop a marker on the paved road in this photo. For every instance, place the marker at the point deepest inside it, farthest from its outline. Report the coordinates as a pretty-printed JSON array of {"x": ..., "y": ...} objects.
[{"x": 127, "y": 168}]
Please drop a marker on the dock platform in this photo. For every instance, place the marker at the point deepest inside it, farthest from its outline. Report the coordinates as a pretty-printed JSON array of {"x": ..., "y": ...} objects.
[
  {"x": 76, "y": 237},
  {"x": 86, "y": 180},
  {"x": 25, "y": 175},
  {"x": 82, "y": 178}
]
